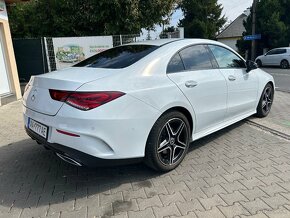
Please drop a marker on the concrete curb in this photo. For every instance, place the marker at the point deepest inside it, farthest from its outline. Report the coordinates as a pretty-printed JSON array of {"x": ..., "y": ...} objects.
[{"x": 265, "y": 128}]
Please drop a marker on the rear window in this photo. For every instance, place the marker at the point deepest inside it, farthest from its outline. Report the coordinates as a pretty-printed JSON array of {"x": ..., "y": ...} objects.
[{"x": 118, "y": 57}]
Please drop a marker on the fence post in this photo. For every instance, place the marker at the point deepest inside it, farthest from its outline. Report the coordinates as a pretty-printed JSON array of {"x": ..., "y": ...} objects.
[
  {"x": 121, "y": 40},
  {"x": 47, "y": 55}
]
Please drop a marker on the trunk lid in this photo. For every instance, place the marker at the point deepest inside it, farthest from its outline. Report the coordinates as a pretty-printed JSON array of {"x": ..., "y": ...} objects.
[{"x": 37, "y": 97}]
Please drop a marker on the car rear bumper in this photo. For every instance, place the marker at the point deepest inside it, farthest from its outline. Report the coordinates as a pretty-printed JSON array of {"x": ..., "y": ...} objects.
[
  {"x": 77, "y": 157},
  {"x": 117, "y": 130}
]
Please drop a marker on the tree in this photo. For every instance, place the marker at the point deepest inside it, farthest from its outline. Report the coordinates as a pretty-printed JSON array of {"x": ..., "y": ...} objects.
[
  {"x": 273, "y": 25},
  {"x": 202, "y": 18},
  {"x": 85, "y": 18}
]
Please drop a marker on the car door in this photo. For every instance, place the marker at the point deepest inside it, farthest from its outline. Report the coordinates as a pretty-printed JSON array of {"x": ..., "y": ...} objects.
[
  {"x": 242, "y": 85},
  {"x": 192, "y": 71},
  {"x": 281, "y": 54},
  {"x": 269, "y": 57}
]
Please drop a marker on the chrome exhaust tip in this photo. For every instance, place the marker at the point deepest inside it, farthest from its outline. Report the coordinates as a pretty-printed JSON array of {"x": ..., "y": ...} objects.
[{"x": 68, "y": 160}]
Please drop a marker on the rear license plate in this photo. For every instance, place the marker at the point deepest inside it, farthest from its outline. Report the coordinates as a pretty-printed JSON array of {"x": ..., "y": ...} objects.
[{"x": 38, "y": 128}]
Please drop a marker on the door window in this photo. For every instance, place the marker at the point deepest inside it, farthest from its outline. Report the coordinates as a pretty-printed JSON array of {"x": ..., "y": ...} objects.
[
  {"x": 196, "y": 58},
  {"x": 272, "y": 52},
  {"x": 226, "y": 58}
]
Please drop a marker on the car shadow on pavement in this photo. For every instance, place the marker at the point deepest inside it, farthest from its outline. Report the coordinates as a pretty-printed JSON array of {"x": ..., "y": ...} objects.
[{"x": 31, "y": 176}]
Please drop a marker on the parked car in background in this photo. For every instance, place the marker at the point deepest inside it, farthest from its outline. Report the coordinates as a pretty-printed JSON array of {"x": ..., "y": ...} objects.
[
  {"x": 145, "y": 100},
  {"x": 275, "y": 57}
]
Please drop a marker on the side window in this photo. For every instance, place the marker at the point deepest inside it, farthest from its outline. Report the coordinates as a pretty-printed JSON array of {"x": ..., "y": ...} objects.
[
  {"x": 226, "y": 58},
  {"x": 196, "y": 58},
  {"x": 272, "y": 52},
  {"x": 175, "y": 64},
  {"x": 281, "y": 51}
]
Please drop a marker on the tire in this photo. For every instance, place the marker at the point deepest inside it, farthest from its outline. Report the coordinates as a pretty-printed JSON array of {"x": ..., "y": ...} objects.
[
  {"x": 167, "y": 142},
  {"x": 259, "y": 63},
  {"x": 266, "y": 101},
  {"x": 284, "y": 64}
]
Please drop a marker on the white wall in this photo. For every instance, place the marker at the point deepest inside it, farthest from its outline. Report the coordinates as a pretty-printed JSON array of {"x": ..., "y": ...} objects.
[{"x": 229, "y": 42}]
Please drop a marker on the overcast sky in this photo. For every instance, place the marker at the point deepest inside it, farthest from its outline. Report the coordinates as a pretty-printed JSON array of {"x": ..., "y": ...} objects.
[{"x": 232, "y": 9}]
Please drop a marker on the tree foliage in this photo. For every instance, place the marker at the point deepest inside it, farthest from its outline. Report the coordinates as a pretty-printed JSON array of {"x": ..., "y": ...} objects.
[
  {"x": 85, "y": 18},
  {"x": 202, "y": 18},
  {"x": 273, "y": 23}
]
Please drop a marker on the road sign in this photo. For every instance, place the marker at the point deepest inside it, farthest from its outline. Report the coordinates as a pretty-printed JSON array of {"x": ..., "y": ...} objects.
[{"x": 252, "y": 37}]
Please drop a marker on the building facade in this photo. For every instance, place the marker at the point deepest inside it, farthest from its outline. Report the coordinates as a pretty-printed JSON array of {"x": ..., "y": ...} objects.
[
  {"x": 9, "y": 82},
  {"x": 234, "y": 31}
]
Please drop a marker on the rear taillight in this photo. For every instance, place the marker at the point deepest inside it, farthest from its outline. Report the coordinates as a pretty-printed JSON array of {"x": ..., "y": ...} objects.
[{"x": 85, "y": 100}]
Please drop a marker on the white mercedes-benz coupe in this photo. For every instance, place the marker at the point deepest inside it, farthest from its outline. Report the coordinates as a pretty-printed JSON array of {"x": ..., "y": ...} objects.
[{"x": 144, "y": 101}]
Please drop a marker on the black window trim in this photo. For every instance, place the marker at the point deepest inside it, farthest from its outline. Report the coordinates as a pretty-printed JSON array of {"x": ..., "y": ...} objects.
[
  {"x": 185, "y": 70},
  {"x": 213, "y": 60}
]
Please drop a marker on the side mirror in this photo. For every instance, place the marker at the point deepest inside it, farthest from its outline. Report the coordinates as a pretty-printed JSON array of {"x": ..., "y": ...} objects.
[{"x": 251, "y": 65}]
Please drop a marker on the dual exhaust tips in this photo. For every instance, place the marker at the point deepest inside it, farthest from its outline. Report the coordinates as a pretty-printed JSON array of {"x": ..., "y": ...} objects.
[{"x": 68, "y": 160}]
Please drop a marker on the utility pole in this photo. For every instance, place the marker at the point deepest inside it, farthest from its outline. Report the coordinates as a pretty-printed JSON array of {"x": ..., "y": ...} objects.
[{"x": 253, "y": 52}]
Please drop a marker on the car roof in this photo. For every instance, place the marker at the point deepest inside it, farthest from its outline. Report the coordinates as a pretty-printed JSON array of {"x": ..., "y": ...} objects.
[
  {"x": 282, "y": 48},
  {"x": 162, "y": 42}
]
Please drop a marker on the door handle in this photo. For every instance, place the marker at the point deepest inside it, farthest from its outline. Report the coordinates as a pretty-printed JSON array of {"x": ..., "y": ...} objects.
[
  {"x": 190, "y": 84},
  {"x": 232, "y": 78}
]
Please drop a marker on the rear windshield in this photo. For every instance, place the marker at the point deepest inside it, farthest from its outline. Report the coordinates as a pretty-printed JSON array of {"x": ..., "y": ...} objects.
[{"x": 118, "y": 57}]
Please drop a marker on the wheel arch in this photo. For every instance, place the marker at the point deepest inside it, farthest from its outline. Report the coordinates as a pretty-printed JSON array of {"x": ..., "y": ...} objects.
[{"x": 185, "y": 112}]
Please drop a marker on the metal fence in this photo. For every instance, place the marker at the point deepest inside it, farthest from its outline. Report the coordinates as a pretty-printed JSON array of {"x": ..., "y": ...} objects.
[{"x": 47, "y": 61}]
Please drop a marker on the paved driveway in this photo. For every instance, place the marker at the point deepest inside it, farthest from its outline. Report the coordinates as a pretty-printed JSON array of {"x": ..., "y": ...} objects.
[{"x": 240, "y": 171}]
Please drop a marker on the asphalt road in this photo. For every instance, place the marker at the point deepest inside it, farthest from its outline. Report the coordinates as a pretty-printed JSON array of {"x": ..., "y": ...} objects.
[{"x": 281, "y": 77}]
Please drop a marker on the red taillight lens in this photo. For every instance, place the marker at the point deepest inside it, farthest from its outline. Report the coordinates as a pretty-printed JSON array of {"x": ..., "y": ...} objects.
[
  {"x": 85, "y": 100},
  {"x": 59, "y": 95}
]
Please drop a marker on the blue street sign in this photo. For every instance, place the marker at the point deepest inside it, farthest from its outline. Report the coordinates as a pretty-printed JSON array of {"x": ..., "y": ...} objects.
[{"x": 252, "y": 37}]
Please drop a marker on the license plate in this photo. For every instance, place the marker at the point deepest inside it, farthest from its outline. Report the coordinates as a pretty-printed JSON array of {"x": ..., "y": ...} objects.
[{"x": 38, "y": 128}]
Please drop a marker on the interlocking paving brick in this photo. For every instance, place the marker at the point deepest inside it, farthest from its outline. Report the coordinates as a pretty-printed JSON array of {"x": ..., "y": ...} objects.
[
  {"x": 270, "y": 179},
  {"x": 233, "y": 177},
  {"x": 106, "y": 210},
  {"x": 258, "y": 215},
  {"x": 217, "y": 189},
  {"x": 276, "y": 201},
  {"x": 254, "y": 193},
  {"x": 239, "y": 171},
  {"x": 214, "y": 212},
  {"x": 234, "y": 210},
  {"x": 141, "y": 214},
  {"x": 253, "y": 182},
  {"x": 193, "y": 194},
  {"x": 85, "y": 202},
  {"x": 153, "y": 191},
  {"x": 214, "y": 201},
  {"x": 123, "y": 206},
  {"x": 233, "y": 168},
  {"x": 273, "y": 189},
  {"x": 174, "y": 198},
  {"x": 231, "y": 198},
  {"x": 212, "y": 181},
  {"x": 178, "y": 187},
  {"x": 233, "y": 186},
  {"x": 279, "y": 213},
  {"x": 82, "y": 213},
  {"x": 255, "y": 206},
  {"x": 252, "y": 173},
  {"x": 166, "y": 211},
  {"x": 189, "y": 206},
  {"x": 129, "y": 195},
  {"x": 149, "y": 202}
]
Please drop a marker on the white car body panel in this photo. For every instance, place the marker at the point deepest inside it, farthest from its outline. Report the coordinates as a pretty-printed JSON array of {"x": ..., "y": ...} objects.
[{"x": 119, "y": 129}]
